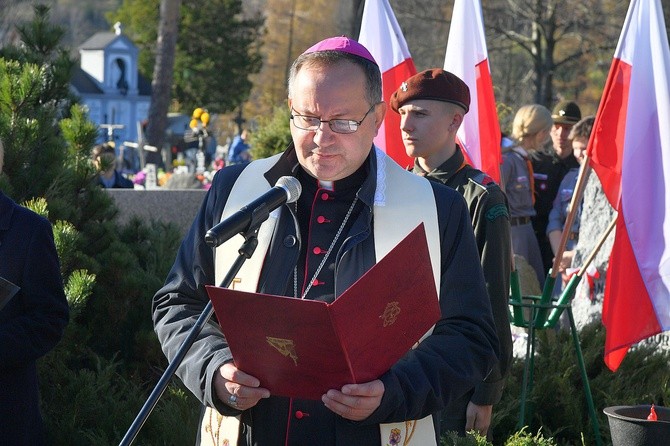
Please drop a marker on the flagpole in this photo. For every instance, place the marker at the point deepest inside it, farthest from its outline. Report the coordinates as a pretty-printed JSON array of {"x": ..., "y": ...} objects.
[
  {"x": 577, "y": 195},
  {"x": 572, "y": 284},
  {"x": 381, "y": 34}
]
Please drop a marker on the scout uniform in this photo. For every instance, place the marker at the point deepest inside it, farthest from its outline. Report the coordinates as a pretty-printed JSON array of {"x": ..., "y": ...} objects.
[
  {"x": 490, "y": 221},
  {"x": 559, "y": 211},
  {"x": 489, "y": 215},
  {"x": 518, "y": 183}
]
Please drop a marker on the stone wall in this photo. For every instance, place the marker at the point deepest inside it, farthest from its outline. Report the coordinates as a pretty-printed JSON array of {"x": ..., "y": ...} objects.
[
  {"x": 166, "y": 205},
  {"x": 596, "y": 217}
]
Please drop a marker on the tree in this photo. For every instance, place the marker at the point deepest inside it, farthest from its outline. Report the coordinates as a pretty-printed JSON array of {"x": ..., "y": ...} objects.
[
  {"x": 291, "y": 27},
  {"x": 426, "y": 29},
  {"x": 140, "y": 20},
  {"x": 555, "y": 41},
  {"x": 217, "y": 49},
  {"x": 94, "y": 381},
  {"x": 162, "y": 81},
  {"x": 539, "y": 50},
  {"x": 28, "y": 109}
]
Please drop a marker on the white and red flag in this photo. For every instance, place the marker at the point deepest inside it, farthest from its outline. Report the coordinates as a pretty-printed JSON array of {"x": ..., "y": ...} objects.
[
  {"x": 467, "y": 58},
  {"x": 630, "y": 151},
  {"x": 381, "y": 35}
]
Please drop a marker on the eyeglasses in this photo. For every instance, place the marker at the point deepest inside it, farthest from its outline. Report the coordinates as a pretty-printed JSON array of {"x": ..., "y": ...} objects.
[{"x": 312, "y": 123}]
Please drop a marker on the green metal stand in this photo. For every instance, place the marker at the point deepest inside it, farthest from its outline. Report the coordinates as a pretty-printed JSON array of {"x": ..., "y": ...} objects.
[{"x": 537, "y": 320}]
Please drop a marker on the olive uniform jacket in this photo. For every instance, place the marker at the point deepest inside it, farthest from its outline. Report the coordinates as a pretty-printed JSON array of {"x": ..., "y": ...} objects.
[{"x": 487, "y": 205}]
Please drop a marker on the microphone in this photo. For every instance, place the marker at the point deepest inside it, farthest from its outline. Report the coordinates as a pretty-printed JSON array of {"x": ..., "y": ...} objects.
[{"x": 287, "y": 190}]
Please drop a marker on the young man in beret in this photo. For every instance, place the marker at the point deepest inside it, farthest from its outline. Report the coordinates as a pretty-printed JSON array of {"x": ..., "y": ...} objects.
[
  {"x": 432, "y": 105},
  {"x": 549, "y": 168}
]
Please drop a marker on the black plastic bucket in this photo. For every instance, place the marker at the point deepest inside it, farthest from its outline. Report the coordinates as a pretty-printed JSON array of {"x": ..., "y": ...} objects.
[{"x": 629, "y": 425}]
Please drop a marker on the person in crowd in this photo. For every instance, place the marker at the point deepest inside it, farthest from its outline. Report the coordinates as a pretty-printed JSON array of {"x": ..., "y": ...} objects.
[
  {"x": 579, "y": 137},
  {"x": 550, "y": 165},
  {"x": 104, "y": 159},
  {"x": 530, "y": 131},
  {"x": 432, "y": 105},
  {"x": 239, "y": 149},
  {"x": 355, "y": 204},
  {"x": 33, "y": 315}
]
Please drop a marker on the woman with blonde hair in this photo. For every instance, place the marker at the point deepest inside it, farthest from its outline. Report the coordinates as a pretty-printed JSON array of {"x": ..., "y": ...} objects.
[{"x": 530, "y": 131}]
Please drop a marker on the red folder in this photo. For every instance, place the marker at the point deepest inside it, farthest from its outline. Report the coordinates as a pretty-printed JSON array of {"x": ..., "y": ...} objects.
[{"x": 301, "y": 348}]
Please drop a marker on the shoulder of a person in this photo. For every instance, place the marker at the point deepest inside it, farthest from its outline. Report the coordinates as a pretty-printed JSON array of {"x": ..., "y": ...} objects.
[
  {"x": 222, "y": 185},
  {"x": 226, "y": 177},
  {"x": 518, "y": 153},
  {"x": 488, "y": 192},
  {"x": 123, "y": 181},
  {"x": 570, "y": 177},
  {"x": 26, "y": 218},
  {"x": 442, "y": 191},
  {"x": 542, "y": 159},
  {"x": 480, "y": 179},
  {"x": 511, "y": 159}
]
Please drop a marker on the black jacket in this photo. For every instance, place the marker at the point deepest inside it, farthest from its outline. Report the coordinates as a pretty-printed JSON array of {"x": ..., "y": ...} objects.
[
  {"x": 32, "y": 323},
  {"x": 120, "y": 182}
]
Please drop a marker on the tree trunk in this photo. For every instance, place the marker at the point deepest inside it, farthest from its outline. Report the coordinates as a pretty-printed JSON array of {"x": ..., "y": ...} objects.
[
  {"x": 357, "y": 10},
  {"x": 536, "y": 38},
  {"x": 161, "y": 84}
]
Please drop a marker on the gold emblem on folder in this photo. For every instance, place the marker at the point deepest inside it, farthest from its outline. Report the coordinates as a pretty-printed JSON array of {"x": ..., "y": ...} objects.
[
  {"x": 390, "y": 314},
  {"x": 284, "y": 346}
]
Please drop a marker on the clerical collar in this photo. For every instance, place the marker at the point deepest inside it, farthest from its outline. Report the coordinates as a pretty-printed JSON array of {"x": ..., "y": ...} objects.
[
  {"x": 352, "y": 182},
  {"x": 328, "y": 185}
]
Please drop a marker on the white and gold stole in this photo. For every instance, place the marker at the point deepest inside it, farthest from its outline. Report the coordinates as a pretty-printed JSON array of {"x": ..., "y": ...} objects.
[{"x": 402, "y": 201}]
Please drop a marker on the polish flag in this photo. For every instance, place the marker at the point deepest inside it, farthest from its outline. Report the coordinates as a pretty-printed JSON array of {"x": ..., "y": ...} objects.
[
  {"x": 467, "y": 58},
  {"x": 630, "y": 152},
  {"x": 381, "y": 35}
]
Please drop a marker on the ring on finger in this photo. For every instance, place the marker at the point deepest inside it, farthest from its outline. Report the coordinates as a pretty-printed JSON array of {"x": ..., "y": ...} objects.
[{"x": 232, "y": 400}]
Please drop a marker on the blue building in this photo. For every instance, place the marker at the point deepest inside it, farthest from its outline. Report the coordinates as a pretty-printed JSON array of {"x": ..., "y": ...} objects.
[{"x": 109, "y": 84}]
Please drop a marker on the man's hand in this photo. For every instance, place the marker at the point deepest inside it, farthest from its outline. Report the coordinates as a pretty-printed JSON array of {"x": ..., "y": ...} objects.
[
  {"x": 478, "y": 418},
  {"x": 238, "y": 389},
  {"x": 566, "y": 260},
  {"x": 355, "y": 402}
]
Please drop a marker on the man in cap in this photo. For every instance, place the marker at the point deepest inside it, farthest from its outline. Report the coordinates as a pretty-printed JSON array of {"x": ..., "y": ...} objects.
[
  {"x": 549, "y": 168},
  {"x": 432, "y": 105},
  {"x": 356, "y": 204}
]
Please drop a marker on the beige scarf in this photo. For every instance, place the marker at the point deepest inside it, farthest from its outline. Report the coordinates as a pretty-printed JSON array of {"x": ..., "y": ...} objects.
[{"x": 402, "y": 201}]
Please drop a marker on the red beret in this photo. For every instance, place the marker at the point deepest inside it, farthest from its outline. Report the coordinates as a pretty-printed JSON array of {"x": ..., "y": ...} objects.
[{"x": 434, "y": 84}]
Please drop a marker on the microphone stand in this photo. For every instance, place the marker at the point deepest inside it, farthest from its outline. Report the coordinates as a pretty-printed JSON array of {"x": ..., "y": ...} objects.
[{"x": 245, "y": 252}]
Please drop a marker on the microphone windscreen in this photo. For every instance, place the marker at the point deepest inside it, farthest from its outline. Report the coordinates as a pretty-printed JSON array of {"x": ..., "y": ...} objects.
[{"x": 292, "y": 186}]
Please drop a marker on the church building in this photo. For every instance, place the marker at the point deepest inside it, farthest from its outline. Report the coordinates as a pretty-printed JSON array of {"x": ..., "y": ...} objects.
[{"x": 109, "y": 84}]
